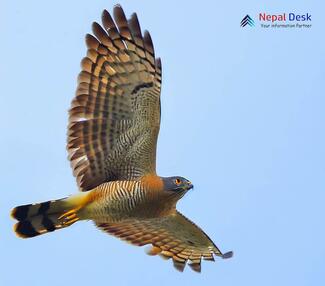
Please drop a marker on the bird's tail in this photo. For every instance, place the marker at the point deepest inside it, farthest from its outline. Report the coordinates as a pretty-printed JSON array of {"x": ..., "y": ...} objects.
[{"x": 40, "y": 218}]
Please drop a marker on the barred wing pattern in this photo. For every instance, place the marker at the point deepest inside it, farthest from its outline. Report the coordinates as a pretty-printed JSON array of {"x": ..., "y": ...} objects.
[
  {"x": 172, "y": 236},
  {"x": 115, "y": 116}
]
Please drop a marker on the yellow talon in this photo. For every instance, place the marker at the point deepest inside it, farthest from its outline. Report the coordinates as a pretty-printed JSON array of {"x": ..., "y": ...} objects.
[
  {"x": 69, "y": 217},
  {"x": 68, "y": 213},
  {"x": 71, "y": 221}
]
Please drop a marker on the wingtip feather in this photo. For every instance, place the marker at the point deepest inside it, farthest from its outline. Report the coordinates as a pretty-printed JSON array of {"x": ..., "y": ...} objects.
[{"x": 228, "y": 254}]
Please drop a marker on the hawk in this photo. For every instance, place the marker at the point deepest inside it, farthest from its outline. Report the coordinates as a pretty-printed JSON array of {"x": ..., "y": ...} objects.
[{"x": 113, "y": 127}]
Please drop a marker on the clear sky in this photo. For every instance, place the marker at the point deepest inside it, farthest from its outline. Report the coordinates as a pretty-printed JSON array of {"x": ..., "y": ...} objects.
[{"x": 242, "y": 118}]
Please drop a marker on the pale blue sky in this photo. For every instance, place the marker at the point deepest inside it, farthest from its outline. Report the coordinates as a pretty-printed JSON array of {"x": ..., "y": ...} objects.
[{"x": 242, "y": 118}]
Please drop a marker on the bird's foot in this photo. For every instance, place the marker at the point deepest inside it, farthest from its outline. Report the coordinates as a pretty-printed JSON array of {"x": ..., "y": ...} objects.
[{"x": 69, "y": 217}]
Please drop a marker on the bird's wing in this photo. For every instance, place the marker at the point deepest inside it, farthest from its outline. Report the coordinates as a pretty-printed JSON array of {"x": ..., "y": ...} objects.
[
  {"x": 172, "y": 236},
  {"x": 114, "y": 118}
]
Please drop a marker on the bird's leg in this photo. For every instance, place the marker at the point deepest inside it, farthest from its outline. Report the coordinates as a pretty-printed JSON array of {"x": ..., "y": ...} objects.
[
  {"x": 69, "y": 217},
  {"x": 74, "y": 204}
]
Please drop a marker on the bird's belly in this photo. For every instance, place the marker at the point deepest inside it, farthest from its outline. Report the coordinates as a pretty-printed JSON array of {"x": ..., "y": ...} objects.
[
  {"x": 114, "y": 209},
  {"x": 119, "y": 211}
]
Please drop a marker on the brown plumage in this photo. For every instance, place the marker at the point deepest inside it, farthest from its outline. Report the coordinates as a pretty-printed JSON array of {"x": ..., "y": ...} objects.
[{"x": 113, "y": 127}]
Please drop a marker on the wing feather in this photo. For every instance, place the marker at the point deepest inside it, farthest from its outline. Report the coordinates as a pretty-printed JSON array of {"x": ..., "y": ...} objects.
[
  {"x": 114, "y": 118},
  {"x": 173, "y": 236}
]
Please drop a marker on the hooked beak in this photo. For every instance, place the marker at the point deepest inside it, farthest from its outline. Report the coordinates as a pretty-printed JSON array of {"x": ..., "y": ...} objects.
[{"x": 189, "y": 186}]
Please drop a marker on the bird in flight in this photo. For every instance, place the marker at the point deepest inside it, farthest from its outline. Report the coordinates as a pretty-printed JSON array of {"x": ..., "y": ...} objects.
[{"x": 113, "y": 127}]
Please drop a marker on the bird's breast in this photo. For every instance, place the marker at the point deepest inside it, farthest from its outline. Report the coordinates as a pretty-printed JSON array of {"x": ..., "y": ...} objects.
[{"x": 119, "y": 200}]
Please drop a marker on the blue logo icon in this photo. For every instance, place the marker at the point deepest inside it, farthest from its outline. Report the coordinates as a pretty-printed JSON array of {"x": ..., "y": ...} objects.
[{"x": 247, "y": 20}]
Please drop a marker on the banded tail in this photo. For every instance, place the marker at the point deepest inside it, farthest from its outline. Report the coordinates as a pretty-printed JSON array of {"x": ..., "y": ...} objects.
[{"x": 41, "y": 218}]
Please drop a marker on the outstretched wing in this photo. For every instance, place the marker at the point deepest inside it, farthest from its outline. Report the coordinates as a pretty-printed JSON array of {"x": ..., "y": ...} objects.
[
  {"x": 172, "y": 236},
  {"x": 115, "y": 116}
]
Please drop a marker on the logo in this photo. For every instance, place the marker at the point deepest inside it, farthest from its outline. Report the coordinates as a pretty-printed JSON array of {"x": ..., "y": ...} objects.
[
  {"x": 278, "y": 20},
  {"x": 247, "y": 20}
]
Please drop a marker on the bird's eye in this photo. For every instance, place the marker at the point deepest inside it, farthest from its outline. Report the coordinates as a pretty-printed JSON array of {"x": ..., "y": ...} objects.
[{"x": 177, "y": 181}]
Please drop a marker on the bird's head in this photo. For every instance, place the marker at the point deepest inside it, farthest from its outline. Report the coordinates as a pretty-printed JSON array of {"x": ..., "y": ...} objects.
[{"x": 177, "y": 185}]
